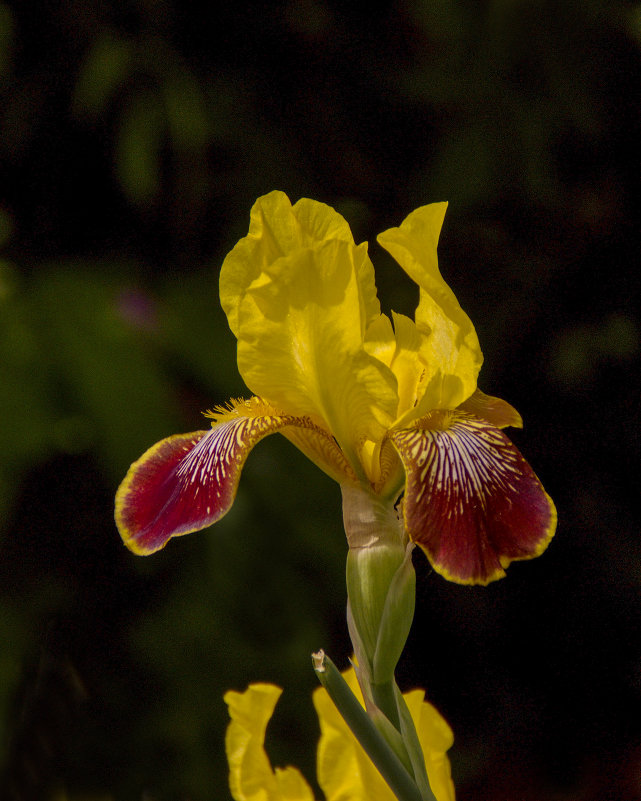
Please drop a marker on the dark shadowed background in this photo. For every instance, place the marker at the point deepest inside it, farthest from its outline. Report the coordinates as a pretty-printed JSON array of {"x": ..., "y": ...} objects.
[{"x": 134, "y": 137}]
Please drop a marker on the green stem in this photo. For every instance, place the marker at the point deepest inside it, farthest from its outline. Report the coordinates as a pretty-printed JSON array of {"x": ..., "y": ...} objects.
[
  {"x": 388, "y": 764},
  {"x": 414, "y": 750},
  {"x": 384, "y": 696}
]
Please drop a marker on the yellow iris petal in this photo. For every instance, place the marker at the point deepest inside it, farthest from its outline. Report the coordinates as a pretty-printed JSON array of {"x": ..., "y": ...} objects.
[
  {"x": 300, "y": 319},
  {"x": 380, "y": 340},
  {"x": 277, "y": 229},
  {"x": 292, "y": 786},
  {"x": 408, "y": 365},
  {"x": 251, "y": 777},
  {"x": 320, "y": 223},
  {"x": 399, "y": 348},
  {"x": 451, "y": 352}
]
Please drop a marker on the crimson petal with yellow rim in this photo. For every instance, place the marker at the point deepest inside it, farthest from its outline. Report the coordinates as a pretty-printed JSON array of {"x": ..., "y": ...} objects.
[
  {"x": 186, "y": 482},
  {"x": 472, "y": 502}
]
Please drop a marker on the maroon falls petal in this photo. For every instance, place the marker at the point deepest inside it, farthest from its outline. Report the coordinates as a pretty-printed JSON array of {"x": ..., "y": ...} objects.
[
  {"x": 186, "y": 482},
  {"x": 471, "y": 502}
]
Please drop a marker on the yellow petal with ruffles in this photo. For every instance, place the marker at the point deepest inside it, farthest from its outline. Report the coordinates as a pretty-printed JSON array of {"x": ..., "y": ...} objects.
[
  {"x": 291, "y": 785},
  {"x": 300, "y": 326},
  {"x": 251, "y": 777},
  {"x": 277, "y": 229},
  {"x": 320, "y": 223},
  {"x": 452, "y": 352}
]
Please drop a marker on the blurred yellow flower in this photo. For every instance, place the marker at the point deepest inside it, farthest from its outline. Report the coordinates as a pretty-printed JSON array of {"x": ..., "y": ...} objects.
[{"x": 345, "y": 773}]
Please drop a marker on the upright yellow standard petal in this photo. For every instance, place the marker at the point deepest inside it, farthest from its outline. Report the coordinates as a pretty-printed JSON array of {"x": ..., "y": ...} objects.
[
  {"x": 452, "y": 352},
  {"x": 320, "y": 223},
  {"x": 277, "y": 229},
  {"x": 300, "y": 317}
]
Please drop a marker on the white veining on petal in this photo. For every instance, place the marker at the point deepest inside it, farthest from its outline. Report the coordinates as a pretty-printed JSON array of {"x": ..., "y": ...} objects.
[
  {"x": 462, "y": 463},
  {"x": 221, "y": 451},
  {"x": 471, "y": 500}
]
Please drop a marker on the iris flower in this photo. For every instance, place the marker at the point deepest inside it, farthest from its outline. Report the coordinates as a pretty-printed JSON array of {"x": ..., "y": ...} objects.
[
  {"x": 387, "y": 406},
  {"x": 344, "y": 771}
]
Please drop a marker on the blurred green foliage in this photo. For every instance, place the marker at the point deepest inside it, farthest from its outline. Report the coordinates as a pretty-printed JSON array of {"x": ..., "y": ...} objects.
[{"x": 133, "y": 140}]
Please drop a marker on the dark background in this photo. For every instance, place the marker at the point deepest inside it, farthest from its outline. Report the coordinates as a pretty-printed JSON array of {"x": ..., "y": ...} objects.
[{"x": 134, "y": 137}]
